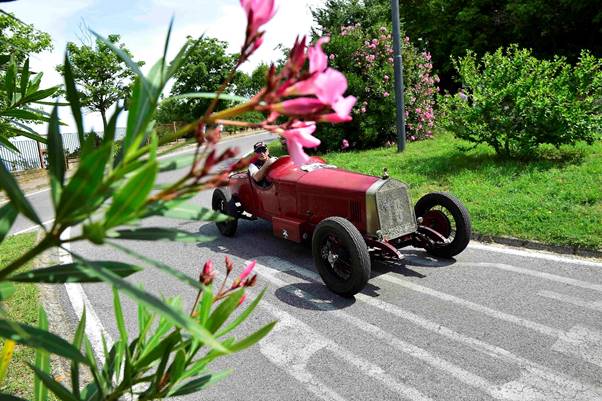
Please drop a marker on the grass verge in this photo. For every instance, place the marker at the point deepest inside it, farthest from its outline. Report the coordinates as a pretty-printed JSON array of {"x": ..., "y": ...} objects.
[
  {"x": 555, "y": 199},
  {"x": 23, "y": 307}
]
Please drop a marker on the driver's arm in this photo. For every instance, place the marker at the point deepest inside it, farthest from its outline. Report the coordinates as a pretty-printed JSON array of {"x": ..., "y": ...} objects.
[{"x": 260, "y": 174}]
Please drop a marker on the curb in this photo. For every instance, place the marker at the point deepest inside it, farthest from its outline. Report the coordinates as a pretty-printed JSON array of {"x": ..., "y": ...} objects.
[{"x": 538, "y": 246}]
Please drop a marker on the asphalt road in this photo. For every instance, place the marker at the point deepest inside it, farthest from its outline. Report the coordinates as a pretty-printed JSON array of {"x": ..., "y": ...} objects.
[{"x": 495, "y": 323}]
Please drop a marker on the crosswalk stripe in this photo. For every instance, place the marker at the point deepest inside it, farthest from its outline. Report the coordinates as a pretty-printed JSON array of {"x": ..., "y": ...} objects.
[
  {"x": 594, "y": 305},
  {"x": 535, "y": 273},
  {"x": 535, "y": 379}
]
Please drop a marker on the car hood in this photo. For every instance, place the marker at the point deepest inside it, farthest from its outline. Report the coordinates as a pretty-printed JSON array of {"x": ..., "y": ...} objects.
[{"x": 336, "y": 180}]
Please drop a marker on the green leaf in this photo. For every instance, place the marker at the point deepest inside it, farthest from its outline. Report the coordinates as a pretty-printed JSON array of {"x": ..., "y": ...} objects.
[
  {"x": 224, "y": 310},
  {"x": 37, "y": 338},
  {"x": 158, "y": 233},
  {"x": 241, "y": 317},
  {"x": 139, "y": 116},
  {"x": 25, "y": 77},
  {"x": 34, "y": 84},
  {"x": 177, "y": 209},
  {"x": 81, "y": 189},
  {"x": 123, "y": 333},
  {"x": 10, "y": 81},
  {"x": 122, "y": 55},
  {"x": 58, "y": 389},
  {"x": 210, "y": 95},
  {"x": 77, "y": 343},
  {"x": 177, "y": 367},
  {"x": 39, "y": 95},
  {"x": 10, "y": 186},
  {"x": 165, "y": 47},
  {"x": 56, "y": 156},
  {"x": 152, "y": 353},
  {"x": 205, "y": 305},
  {"x": 73, "y": 273},
  {"x": 198, "y": 384},
  {"x": 153, "y": 303},
  {"x": 109, "y": 134},
  {"x": 253, "y": 338},
  {"x": 8, "y": 215},
  {"x": 6, "y": 290},
  {"x": 5, "y": 142},
  {"x": 161, "y": 266},
  {"x": 42, "y": 361},
  {"x": 24, "y": 114},
  {"x": 73, "y": 98},
  {"x": 176, "y": 163},
  {"x": 28, "y": 134},
  {"x": 132, "y": 196}
]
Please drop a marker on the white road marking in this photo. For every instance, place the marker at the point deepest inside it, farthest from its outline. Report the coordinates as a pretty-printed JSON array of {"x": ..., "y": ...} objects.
[
  {"x": 78, "y": 298},
  {"x": 534, "y": 254},
  {"x": 291, "y": 346},
  {"x": 594, "y": 305},
  {"x": 537, "y": 382},
  {"x": 538, "y": 274},
  {"x": 586, "y": 345},
  {"x": 32, "y": 227}
]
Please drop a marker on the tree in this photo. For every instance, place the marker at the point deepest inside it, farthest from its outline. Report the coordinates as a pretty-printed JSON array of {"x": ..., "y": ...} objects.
[
  {"x": 451, "y": 27},
  {"x": 101, "y": 76},
  {"x": 21, "y": 39}
]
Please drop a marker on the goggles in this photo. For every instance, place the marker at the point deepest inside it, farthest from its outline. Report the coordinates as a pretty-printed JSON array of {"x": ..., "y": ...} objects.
[{"x": 261, "y": 149}]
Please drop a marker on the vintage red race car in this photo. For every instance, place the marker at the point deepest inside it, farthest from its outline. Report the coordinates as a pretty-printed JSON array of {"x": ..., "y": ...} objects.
[{"x": 346, "y": 216}]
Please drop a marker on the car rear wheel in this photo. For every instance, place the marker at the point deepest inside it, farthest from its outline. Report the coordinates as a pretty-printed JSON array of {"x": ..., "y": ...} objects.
[
  {"x": 222, "y": 202},
  {"x": 445, "y": 222},
  {"x": 341, "y": 256}
]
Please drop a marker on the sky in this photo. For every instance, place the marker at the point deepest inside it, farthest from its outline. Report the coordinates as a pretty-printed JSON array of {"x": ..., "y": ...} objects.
[{"x": 143, "y": 25}]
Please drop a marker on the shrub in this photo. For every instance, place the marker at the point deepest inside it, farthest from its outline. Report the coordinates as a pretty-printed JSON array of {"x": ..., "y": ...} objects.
[
  {"x": 365, "y": 56},
  {"x": 515, "y": 102}
]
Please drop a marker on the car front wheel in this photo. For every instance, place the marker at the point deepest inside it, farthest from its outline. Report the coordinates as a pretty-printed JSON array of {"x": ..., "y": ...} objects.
[
  {"x": 341, "y": 256},
  {"x": 445, "y": 221}
]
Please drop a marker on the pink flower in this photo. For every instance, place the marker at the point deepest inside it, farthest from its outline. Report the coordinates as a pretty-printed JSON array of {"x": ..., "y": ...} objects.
[
  {"x": 317, "y": 58},
  {"x": 386, "y": 94},
  {"x": 390, "y": 59},
  {"x": 344, "y": 105},
  {"x": 363, "y": 109},
  {"x": 344, "y": 144},
  {"x": 333, "y": 118},
  {"x": 297, "y": 138},
  {"x": 299, "y": 106},
  {"x": 247, "y": 271},
  {"x": 208, "y": 273},
  {"x": 386, "y": 78},
  {"x": 331, "y": 57},
  {"x": 258, "y": 13},
  {"x": 328, "y": 86}
]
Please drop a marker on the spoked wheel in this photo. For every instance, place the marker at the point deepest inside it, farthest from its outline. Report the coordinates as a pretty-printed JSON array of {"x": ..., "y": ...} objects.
[
  {"x": 445, "y": 223},
  {"x": 222, "y": 202},
  {"x": 341, "y": 256}
]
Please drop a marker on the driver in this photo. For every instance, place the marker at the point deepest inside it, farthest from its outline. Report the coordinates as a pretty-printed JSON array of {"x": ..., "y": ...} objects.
[{"x": 259, "y": 168}]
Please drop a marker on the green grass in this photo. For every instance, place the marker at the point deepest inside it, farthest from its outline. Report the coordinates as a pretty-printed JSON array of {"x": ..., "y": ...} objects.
[
  {"x": 555, "y": 198},
  {"x": 22, "y": 306}
]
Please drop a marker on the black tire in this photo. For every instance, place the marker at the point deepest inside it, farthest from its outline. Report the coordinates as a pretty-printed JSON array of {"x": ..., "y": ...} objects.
[
  {"x": 222, "y": 202},
  {"x": 459, "y": 233},
  {"x": 337, "y": 238}
]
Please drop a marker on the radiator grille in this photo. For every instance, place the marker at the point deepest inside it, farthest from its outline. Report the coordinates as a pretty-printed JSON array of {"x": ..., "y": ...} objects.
[
  {"x": 355, "y": 213},
  {"x": 395, "y": 210}
]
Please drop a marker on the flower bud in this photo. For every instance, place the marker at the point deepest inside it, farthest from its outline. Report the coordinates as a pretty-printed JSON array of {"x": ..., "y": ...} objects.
[
  {"x": 250, "y": 282},
  {"x": 229, "y": 265},
  {"x": 208, "y": 273}
]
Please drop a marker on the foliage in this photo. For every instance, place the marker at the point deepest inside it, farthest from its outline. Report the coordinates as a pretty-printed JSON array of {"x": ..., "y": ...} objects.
[
  {"x": 20, "y": 39},
  {"x": 106, "y": 193},
  {"x": 450, "y": 27},
  {"x": 101, "y": 76},
  {"x": 365, "y": 56},
  {"x": 515, "y": 102},
  {"x": 207, "y": 67},
  {"x": 250, "y": 85},
  {"x": 19, "y": 93}
]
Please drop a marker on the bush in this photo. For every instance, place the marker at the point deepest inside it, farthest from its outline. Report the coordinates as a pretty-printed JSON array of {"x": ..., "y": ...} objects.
[
  {"x": 515, "y": 102},
  {"x": 365, "y": 56}
]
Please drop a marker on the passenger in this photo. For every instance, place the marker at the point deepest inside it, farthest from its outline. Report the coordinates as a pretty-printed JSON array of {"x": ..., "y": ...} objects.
[{"x": 259, "y": 168}]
